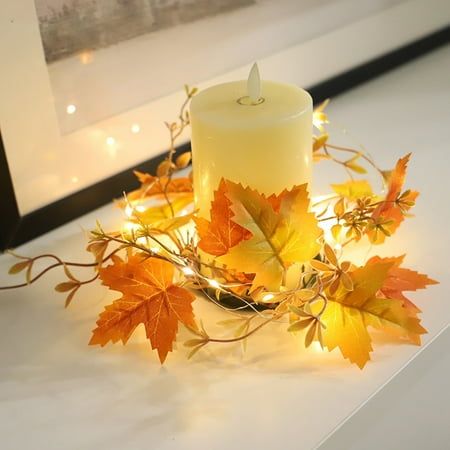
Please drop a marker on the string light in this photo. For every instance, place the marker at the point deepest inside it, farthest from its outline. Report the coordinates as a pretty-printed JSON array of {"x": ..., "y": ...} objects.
[
  {"x": 128, "y": 211},
  {"x": 71, "y": 109},
  {"x": 130, "y": 227},
  {"x": 135, "y": 128},
  {"x": 188, "y": 271},
  {"x": 317, "y": 122},
  {"x": 213, "y": 283},
  {"x": 268, "y": 297}
]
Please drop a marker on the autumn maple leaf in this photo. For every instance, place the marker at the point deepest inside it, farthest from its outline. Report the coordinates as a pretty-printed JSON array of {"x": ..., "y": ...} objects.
[
  {"x": 157, "y": 186},
  {"x": 221, "y": 233},
  {"x": 349, "y": 314},
  {"x": 149, "y": 297},
  {"x": 353, "y": 189},
  {"x": 390, "y": 213},
  {"x": 279, "y": 237},
  {"x": 159, "y": 216},
  {"x": 400, "y": 279}
]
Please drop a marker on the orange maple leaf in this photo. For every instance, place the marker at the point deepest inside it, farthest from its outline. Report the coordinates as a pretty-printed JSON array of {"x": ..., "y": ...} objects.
[
  {"x": 400, "y": 279},
  {"x": 149, "y": 297},
  {"x": 389, "y": 214},
  {"x": 221, "y": 233},
  {"x": 348, "y": 315},
  {"x": 156, "y": 186},
  {"x": 276, "y": 199}
]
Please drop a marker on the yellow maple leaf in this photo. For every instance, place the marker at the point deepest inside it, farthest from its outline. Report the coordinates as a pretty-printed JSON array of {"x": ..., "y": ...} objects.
[
  {"x": 353, "y": 189},
  {"x": 157, "y": 215},
  {"x": 279, "y": 238},
  {"x": 349, "y": 314}
]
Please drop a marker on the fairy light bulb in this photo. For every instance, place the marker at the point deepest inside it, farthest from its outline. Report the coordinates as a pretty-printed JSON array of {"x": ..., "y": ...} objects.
[
  {"x": 128, "y": 211},
  {"x": 188, "y": 271},
  {"x": 214, "y": 283},
  {"x": 268, "y": 297},
  {"x": 71, "y": 109}
]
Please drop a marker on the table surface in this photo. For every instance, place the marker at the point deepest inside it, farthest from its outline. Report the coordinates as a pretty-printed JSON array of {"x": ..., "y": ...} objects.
[{"x": 58, "y": 393}]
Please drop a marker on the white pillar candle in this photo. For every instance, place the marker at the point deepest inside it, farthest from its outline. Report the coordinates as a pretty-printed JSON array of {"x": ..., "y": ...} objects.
[{"x": 258, "y": 133}]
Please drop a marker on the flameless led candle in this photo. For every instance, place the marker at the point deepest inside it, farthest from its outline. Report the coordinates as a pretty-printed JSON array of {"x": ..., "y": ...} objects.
[{"x": 258, "y": 133}]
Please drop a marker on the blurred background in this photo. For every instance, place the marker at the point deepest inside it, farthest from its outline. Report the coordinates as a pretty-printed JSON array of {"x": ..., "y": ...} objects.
[{"x": 94, "y": 80}]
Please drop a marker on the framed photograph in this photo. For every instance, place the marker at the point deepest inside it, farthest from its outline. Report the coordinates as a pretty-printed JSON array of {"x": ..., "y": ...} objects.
[{"x": 87, "y": 84}]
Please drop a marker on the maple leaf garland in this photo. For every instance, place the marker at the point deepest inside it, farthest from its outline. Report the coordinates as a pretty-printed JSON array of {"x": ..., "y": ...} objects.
[
  {"x": 149, "y": 297},
  {"x": 253, "y": 239}
]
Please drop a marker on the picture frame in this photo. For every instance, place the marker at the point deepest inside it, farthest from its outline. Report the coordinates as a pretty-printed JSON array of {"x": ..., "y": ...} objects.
[{"x": 21, "y": 222}]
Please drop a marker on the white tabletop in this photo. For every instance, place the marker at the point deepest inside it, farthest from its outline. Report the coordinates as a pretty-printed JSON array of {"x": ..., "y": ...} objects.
[{"x": 58, "y": 393}]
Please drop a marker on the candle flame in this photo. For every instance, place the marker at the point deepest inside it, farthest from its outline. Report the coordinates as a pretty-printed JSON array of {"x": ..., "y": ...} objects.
[{"x": 254, "y": 84}]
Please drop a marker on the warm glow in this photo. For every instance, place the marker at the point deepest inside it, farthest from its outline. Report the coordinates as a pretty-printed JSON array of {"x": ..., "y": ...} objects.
[
  {"x": 135, "y": 128},
  {"x": 316, "y": 347},
  {"x": 320, "y": 118},
  {"x": 142, "y": 241},
  {"x": 318, "y": 203},
  {"x": 188, "y": 271},
  {"x": 268, "y": 297},
  {"x": 74, "y": 180},
  {"x": 317, "y": 121},
  {"x": 86, "y": 57},
  {"x": 155, "y": 249},
  {"x": 128, "y": 211},
  {"x": 71, "y": 109},
  {"x": 110, "y": 140},
  {"x": 130, "y": 227},
  {"x": 213, "y": 283}
]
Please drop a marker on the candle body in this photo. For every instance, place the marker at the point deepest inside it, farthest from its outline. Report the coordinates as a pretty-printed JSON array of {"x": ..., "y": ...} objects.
[{"x": 267, "y": 146}]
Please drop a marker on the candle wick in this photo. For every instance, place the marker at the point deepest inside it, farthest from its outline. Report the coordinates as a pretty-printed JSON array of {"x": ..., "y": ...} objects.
[{"x": 254, "y": 84}]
